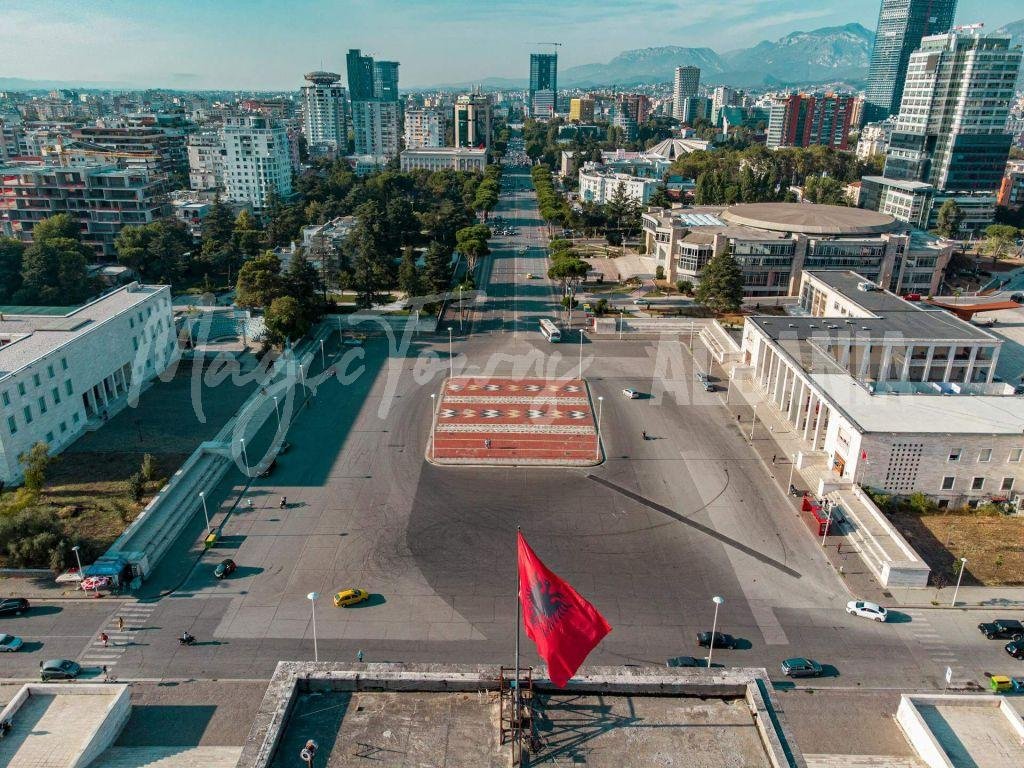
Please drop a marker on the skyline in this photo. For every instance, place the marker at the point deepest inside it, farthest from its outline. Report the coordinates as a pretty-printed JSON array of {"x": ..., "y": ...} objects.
[{"x": 183, "y": 45}]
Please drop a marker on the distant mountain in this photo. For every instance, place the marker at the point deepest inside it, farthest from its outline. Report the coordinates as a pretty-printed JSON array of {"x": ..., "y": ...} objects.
[
  {"x": 821, "y": 55},
  {"x": 23, "y": 84},
  {"x": 1016, "y": 30}
]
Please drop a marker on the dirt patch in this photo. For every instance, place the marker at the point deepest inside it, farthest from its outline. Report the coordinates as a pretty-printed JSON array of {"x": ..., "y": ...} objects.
[{"x": 991, "y": 545}]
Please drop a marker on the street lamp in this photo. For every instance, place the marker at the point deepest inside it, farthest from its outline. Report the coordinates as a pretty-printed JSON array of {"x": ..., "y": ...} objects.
[
  {"x": 302, "y": 375},
  {"x": 206, "y": 512},
  {"x": 460, "y": 307},
  {"x": 622, "y": 320},
  {"x": 81, "y": 575},
  {"x": 581, "y": 353},
  {"x": 245, "y": 455},
  {"x": 828, "y": 523},
  {"x": 753, "y": 423},
  {"x": 323, "y": 355},
  {"x": 600, "y": 410},
  {"x": 312, "y": 597},
  {"x": 714, "y": 627},
  {"x": 792, "y": 466},
  {"x": 433, "y": 410},
  {"x": 959, "y": 578},
  {"x": 278, "y": 412},
  {"x": 451, "y": 360}
]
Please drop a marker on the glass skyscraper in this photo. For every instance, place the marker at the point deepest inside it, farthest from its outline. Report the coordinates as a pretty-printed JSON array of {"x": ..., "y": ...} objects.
[
  {"x": 543, "y": 84},
  {"x": 901, "y": 25},
  {"x": 360, "y": 75}
]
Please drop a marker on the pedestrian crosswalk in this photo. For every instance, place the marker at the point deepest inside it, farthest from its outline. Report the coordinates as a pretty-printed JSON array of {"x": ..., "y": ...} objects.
[
  {"x": 926, "y": 636},
  {"x": 117, "y": 634}
]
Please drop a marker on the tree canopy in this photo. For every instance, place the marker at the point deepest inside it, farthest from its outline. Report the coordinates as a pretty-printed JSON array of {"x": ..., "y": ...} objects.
[{"x": 721, "y": 284}]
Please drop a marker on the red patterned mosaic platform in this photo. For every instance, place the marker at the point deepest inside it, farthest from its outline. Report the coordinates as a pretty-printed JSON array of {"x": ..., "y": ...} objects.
[{"x": 514, "y": 421}]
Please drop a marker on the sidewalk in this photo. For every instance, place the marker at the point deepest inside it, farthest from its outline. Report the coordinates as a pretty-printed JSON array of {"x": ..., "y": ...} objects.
[
  {"x": 42, "y": 586},
  {"x": 776, "y": 445}
]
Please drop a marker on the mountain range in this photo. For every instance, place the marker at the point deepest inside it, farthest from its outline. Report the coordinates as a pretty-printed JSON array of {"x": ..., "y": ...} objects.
[{"x": 821, "y": 55}]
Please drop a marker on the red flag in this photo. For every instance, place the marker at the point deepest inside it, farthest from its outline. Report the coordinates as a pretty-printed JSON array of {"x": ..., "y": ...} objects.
[{"x": 564, "y": 626}]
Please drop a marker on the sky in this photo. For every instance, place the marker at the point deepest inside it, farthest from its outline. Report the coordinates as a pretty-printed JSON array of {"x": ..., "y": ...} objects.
[{"x": 269, "y": 44}]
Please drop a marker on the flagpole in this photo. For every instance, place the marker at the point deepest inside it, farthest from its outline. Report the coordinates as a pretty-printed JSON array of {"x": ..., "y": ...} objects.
[{"x": 516, "y": 736}]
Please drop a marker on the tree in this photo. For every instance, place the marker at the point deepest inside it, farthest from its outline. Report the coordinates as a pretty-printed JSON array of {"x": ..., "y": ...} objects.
[
  {"x": 371, "y": 261},
  {"x": 54, "y": 271},
  {"x": 59, "y": 226},
  {"x": 721, "y": 284},
  {"x": 471, "y": 242},
  {"x": 825, "y": 191},
  {"x": 951, "y": 216},
  {"x": 999, "y": 239},
  {"x": 285, "y": 319},
  {"x": 302, "y": 283},
  {"x": 12, "y": 253},
  {"x": 36, "y": 461},
  {"x": 660, "y": 197},
  {"x": 409, "y": 280},
  {"x": 217, "y": 230},
  {"x": 569, "y": 270},
  {"x": 157, "y": 251},
  {"x": 438, "y": 268},
  {"x": 259, "y": 281}
]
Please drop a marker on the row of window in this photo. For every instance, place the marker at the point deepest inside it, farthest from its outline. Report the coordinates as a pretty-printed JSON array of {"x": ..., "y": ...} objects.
[
  {"x": 985, "y": 455},
  {"x": 5, "y": 396},
  {"x": 977, "y": 484},
  {"x": 12, "y": 426}
]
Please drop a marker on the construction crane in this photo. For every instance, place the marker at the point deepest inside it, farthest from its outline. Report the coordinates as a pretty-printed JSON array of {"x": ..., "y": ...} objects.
[{"x": 558, "y": 44}]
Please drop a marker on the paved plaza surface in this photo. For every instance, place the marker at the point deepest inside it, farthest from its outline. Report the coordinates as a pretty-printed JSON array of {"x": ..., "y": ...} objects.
[
  {"x": 514, "y": 421},
  {"x": 648, "y": 536}
]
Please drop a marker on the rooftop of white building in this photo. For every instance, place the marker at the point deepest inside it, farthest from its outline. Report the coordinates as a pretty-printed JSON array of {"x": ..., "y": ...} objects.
[{"x": 28, "y": 334}]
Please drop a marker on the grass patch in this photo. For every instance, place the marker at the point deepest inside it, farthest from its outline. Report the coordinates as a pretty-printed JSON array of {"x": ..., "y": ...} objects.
[{"x": 87, "y": 498}]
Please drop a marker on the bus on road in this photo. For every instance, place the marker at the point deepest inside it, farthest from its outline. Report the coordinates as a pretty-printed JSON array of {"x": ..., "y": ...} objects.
[{"x": 550, "y": 331}]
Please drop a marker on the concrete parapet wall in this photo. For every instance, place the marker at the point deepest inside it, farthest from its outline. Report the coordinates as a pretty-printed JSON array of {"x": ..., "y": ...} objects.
[{"x": 292, "y": 678}]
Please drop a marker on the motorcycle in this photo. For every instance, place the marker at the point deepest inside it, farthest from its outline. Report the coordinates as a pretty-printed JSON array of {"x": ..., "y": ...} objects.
[{"x": 186, "y": 639}]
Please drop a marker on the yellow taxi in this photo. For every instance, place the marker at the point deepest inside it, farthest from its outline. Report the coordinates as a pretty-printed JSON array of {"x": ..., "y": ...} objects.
[{"x": 348, "y": 597}]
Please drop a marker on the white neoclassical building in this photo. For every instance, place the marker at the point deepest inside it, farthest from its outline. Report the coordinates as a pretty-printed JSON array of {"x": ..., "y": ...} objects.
[
  {"x": 61, "y": 372},
  {"x": 895, "y": 395}
]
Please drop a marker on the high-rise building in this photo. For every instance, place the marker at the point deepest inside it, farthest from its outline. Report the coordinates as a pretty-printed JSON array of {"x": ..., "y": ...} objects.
[
  {"x": 581, "y": 110},
  {"x": 150, "y": 146},
  {"x": 360, "y": 75},
  {"x": 324, "y": 113},
  {"x": 724, "y": 96},
  {"x": 375, "y": 125},
  {"x": 685, "y": 85},
  {"x": 901, "y": 26},
  {"x": 424, "y": 128},
  {"x": 473, "y": 121},
  {"x": 257, "y": 160},
  {"x": 803, "y": 120},
  {"x": 543, "y": 84},
  {"x": 694, "y": 108},
  {"x": 205, "y": 167},
  {"x": 385, "y": 80},
  {"x": 951, "y": 128},
  {"x": 636, "y": 104}
]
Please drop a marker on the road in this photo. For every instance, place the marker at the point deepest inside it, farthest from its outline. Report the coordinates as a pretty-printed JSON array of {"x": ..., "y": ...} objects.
[{"x": 649, "y": 536}]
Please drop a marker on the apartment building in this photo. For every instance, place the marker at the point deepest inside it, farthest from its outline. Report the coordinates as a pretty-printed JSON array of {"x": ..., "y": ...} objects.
[
  {"x": 424, "y": 128},
  {"x": 804, "y": 120},
  {"x": 473, "y": 120},
  {"x": 376, "y": 128},
  {"x": 257, "y": 160},
  {"x": 205, "y": 164},
  {"x": 325, "y": 114}
]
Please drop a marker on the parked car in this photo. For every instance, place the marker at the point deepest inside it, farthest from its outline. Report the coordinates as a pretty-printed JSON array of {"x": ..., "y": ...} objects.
[
  {"x": 801, "y": 667},
  {"x": 347, "y": 597},
  {"x": 1004, "y": 629},
  {"x": 224, "y": 568},
  {"x": 58, "y": 669},
  {"x": 13, "y": 606},
  {"x": 1015, "y": 648},
  {"x": 721, "y": 640},
  {"x": 10, "y": 643},
  {"x": 642, "y": 302},
  {"x": 708, "y": 386},
  {"x": 1018, "y": 297},
  {"x": 701, "y": 376},
  {"x": 630, "y": 393},
  {"x": 867, "y": 610},
  {"x": 685, "y": 661}
]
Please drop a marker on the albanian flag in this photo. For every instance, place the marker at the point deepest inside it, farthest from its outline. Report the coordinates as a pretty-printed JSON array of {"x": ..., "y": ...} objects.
[{"x": 563, "y": 626}]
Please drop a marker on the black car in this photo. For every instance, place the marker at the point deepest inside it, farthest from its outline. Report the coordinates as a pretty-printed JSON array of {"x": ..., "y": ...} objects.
[
  {"x": 13, "y": 606},
  {"x": 685, "y": 661},
  {"x": 269, "y": 468},
  {"x": 1005, "y": 629},
  {"x": 1018, "y": 297},
  {"x": 224, "y": 568},
  {"x": 1015, "y": 648},
  {"x": 721, "y": 640}
]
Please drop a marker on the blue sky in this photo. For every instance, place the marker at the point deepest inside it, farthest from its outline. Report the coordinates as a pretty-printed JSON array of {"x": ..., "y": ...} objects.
[{"x": 270, "y": 43}]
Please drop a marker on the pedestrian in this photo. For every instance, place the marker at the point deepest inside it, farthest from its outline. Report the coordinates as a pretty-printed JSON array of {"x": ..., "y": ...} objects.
[
  {"x": 774, "y": 456},
  {"x": 120, "y": 624},
  {"x": 104, "y": 639},
  {"x": 487, "y": 443},
  {"x": 737, "y": 417},
  {"x": 105, "y": 678},
  {"x": 839, "y": 548},
  {"x": 644, "y": 433},
  {"x": 359, "y": 656},
  {"x": 249, "y": 503}
]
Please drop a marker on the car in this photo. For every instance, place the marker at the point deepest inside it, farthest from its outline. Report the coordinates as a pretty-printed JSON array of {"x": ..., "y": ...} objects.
[
  {"x": 1018, "y": 297},
  {"x": 685, "y": 661},
  {"x": 530, "y": 276},
  {"x": 721, "y": 640},
  {"x": 642, "y": 302},
  {"x": 708, "y": 386},
  {"x": 268, "y": 470},
  {"x": 347, "y": 597},
  {"x": 1004, "y": 629},
  {"x": 352, "y": 341},
  {"x": 801, "y": 667},
  {"x": 58, "y": 669},
  {"x": 224, "y": 568},
  {"x": 866, "y": 610},
  {"x": 1015, "y": 648},
  {"x": 13, "y": 606},
  {"x": 10, "y": 643},
  {"x": 631, "y": 393},
  {"x": 701, "y": 376}
]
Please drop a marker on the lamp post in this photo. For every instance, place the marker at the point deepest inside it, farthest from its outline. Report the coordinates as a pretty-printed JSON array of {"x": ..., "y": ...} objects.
[
  {"x": 792, "y": 467},
  {"x": 622, "y": 320},
  {"x": 206, "y": 512},
  {"x": 323, "y": 355},
  {"x": 312, "y": 597},
  {"x": 753, "y": 423},
  {"x": 959, "y": 578},
  {"x": 828, "y": 524},
  {"x": 433, "y": 411},
  {"x": 78, "y": 558},
  {"x": 277, "y": 410},
  {"x": 581, "y": 353},
  {"x": 460, "y": 307},
  {"x": 245, "y": 455},
  {"x": 451, "y": 360},
  {"x": 302, "y": 375},
  {"x": 714, "y": 627},
  {"x": 600, "y": 410}
]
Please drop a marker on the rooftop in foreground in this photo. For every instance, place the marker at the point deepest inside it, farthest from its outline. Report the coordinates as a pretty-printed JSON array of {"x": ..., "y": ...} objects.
[{"x": 811, "y": 219}]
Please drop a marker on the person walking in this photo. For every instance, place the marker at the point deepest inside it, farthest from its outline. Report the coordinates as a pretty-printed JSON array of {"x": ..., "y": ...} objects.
[
  {"x": 120, "y": 624},
  {"x": 359, "y": 656},
  {"x": 104, "y": 639},
  {"x": 105, "y": 677}
]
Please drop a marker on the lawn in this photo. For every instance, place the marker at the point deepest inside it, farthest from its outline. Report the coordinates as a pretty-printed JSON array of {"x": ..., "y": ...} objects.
[
  {"x": 991, "y": 544},
  {"x": 87, "y": 495}
]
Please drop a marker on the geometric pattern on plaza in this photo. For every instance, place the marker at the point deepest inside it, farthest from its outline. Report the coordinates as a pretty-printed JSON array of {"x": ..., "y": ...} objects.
[{"x": 500, "y": 420}]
